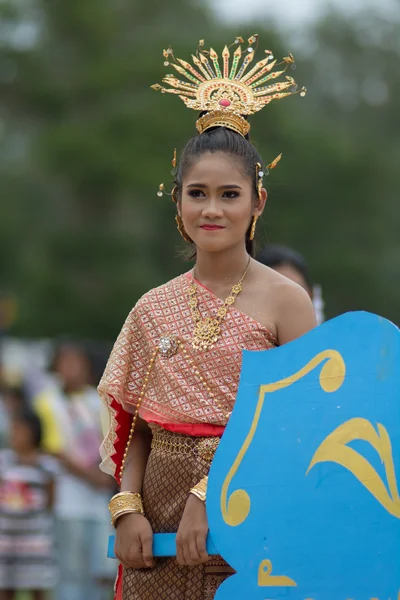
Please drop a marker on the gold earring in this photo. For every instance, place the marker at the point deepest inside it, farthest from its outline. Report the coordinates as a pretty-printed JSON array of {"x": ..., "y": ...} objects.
[
  {"x": 253, "y": 227},
  {"x": 181, "y": 228}
]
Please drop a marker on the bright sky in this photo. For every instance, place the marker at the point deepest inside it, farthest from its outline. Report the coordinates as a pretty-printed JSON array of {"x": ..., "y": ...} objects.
[{"x": 294, "y": 12}]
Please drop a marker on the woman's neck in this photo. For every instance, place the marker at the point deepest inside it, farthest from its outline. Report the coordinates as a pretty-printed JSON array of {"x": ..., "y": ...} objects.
[{"x": 221, "y": 267}]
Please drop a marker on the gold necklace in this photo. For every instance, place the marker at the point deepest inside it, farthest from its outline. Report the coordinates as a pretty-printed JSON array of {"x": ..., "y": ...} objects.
[{"x": 207, "y": 330}]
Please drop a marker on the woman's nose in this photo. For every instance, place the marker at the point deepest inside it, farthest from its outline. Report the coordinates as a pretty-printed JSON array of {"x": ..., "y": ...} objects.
[{"x": 212, "y": 209}]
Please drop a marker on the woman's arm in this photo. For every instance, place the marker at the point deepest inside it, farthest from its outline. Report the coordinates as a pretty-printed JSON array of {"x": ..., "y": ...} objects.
[
  {"x": 136, "y": 461},
  {"x": 134, "y": 538}
]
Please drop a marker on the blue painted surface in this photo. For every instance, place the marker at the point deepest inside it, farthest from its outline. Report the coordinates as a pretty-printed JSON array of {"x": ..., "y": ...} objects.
[
  {"x": 322, "y": 529},
  {"x": 163, "y": 545}
]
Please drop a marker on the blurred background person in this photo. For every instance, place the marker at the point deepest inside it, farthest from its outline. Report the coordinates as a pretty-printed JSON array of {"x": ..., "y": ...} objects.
[
  {"x": 293, "y": 265},
  {"x": 70, "y": 413},
  {"x": 27, "y": 549},
  {"x": 12, "y": 400}
]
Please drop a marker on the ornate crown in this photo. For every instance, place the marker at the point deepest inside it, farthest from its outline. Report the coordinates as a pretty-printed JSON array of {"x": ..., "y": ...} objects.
[{"x": 229, "y": 95}]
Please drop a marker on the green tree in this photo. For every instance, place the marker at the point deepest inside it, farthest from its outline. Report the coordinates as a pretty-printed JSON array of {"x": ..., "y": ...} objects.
[{"x": 85, "y": 142}]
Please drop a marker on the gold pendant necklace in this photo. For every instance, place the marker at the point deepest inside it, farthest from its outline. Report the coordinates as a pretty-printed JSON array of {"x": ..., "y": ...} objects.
[{"x": 208, "y": 330}]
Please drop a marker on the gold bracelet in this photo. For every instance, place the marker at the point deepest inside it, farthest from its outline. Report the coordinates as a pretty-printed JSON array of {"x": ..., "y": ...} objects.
[
  {"x": 200, "y": 490},
  {"x": 125, "y": 503}
]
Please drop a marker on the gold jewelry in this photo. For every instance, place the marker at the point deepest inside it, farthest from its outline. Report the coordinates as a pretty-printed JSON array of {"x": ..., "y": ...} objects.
[
  {"x": 125, "y": 503},
  {"x": 181, "y": 228},
  {"x": 253, "y": 227},
  {"x": 184, "y": 445},
  {"x": 136, "y": 413},
  {"x": 200, "y": 489},
  {"x": 259, "y": 179},
  {"x": 228, "y": 95},
  {"x": 161, "y": 187},
  {"x": 207, "y": 330}
]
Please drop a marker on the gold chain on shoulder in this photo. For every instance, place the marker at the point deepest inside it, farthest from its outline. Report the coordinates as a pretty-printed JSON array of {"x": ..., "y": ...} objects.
[
  {"x": 208, "y": 330},
  {"x": 136, "y": 413}
]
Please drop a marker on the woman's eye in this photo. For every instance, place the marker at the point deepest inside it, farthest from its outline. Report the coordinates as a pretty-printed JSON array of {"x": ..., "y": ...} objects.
[
  {"x": 196, "y": 193},
  {"x": 230, "y": 195}
]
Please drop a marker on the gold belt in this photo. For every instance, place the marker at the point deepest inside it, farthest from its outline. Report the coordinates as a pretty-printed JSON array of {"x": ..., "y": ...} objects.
[{"x": 177, "y": 443}]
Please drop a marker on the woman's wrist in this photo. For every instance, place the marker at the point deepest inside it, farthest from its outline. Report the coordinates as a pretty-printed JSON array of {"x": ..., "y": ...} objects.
[
  {"x": 125, "y": 503},
  {"x": 200, "y": 489}
]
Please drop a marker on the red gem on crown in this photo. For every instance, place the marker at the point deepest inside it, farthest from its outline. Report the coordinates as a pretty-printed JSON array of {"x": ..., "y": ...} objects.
[{"x": 225, "y": 103}]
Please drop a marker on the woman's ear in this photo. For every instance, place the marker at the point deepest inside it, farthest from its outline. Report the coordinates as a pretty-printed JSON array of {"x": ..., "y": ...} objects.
[{"x": 261, "y": 202}]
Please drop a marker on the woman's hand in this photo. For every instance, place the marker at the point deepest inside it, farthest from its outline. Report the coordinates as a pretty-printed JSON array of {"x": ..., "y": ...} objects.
[
  {"x": 134, "y": 542},
  {"x": 192, "y": 533}
]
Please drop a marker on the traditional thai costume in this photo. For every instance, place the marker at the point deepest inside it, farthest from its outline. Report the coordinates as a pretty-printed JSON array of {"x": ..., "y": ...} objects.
[{"x": 177, "y": 371}]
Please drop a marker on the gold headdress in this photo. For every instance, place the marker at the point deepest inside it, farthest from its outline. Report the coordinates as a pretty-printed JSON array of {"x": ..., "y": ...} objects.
[{"x": 230, "y": 94}]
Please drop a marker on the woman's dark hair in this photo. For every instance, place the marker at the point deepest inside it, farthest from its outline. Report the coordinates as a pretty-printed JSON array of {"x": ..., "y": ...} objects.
[
  {"x": 29, "y": 418},
  {"x": 275, "y": 255},
  {"x": 220, "y": 139}
]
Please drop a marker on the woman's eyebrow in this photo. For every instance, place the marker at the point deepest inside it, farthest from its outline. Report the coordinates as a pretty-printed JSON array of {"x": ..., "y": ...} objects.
[{"x": 221, "y": 187}]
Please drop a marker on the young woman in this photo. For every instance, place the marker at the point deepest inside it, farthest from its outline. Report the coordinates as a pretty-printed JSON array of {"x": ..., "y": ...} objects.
[{"x": 172, "y": 377}]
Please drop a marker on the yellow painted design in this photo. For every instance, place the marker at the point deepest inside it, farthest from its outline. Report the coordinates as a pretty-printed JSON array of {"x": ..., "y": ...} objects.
[
  {"x": 236, "y": 508},
  {"x": 334, "y": 449},
  {"x": 266, "y": 579}
]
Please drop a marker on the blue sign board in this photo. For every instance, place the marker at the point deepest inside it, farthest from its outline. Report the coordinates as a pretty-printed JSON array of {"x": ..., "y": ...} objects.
[{"x": 303, "y": 497}]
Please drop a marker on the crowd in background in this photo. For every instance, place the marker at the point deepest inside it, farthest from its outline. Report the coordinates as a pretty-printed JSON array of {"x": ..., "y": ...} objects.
[{"x": 54, "y": 521}]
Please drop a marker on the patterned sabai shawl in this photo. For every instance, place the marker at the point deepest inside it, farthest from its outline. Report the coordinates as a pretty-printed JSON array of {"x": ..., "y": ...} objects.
[{"x": 174, "y": 393}]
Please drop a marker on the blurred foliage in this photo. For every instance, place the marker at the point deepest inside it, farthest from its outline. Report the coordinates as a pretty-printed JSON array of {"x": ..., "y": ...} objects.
[{"x": 84, "y": 143}]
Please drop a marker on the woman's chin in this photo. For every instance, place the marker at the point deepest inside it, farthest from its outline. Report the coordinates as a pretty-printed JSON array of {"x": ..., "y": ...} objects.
[{"x": 213, "y": 246}]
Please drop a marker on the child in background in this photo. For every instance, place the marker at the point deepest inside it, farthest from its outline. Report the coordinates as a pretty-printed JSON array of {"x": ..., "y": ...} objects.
[
  {"x": 27, "y": 552},
  {"x": 12, "y": 399}
]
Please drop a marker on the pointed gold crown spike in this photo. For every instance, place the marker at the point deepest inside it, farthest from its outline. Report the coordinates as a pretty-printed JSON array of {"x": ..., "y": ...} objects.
[{"x": 226, "y": 91}]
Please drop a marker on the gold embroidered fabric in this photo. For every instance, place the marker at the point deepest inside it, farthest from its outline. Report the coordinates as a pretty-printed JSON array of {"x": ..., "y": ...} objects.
[
  {"x": 174, "y": 393},
  {"x": 165, "y": 492}
]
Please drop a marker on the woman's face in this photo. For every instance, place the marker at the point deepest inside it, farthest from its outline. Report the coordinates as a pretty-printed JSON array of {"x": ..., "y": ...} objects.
[{"x": 217, "y": 203}]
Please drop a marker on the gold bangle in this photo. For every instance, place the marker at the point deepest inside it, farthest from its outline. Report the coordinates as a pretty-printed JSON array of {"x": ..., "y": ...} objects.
[
  {"x": 200, "y": 490},
  {"x": 125, "y": 503}
]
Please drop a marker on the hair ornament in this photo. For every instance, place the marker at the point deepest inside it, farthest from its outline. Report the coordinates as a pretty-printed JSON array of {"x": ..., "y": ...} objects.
[
  {"x": 228, "y": 90},
  {"x": 259, "y": 179},
  {"x": 273, "y": 164},
  {"x": 161, "y": 187}
]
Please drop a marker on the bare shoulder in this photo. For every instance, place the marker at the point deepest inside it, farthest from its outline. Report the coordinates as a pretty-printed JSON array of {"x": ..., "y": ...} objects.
[{"x": 291, "y": 306}]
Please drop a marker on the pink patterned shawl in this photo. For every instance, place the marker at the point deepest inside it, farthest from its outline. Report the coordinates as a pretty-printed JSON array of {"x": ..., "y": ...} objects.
[{"x": 174, "y": 393}]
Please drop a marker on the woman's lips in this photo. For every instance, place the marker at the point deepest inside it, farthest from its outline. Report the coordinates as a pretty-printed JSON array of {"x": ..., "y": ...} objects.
[{"x": 211, "y": 227}]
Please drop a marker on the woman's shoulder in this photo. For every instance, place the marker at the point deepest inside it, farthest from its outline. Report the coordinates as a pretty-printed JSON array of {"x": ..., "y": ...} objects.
[
  {"x": 290, "y": 305},
  {"x": 168, "y": 292},
  {"x": 278, "y": 287}
]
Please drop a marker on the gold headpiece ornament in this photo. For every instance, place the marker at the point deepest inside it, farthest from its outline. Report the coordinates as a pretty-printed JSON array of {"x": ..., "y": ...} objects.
[{"x": 229, "y": 94}]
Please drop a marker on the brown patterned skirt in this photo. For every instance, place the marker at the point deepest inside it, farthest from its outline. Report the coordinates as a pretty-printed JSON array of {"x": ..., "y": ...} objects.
[{"x": 176, "y": 463}]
